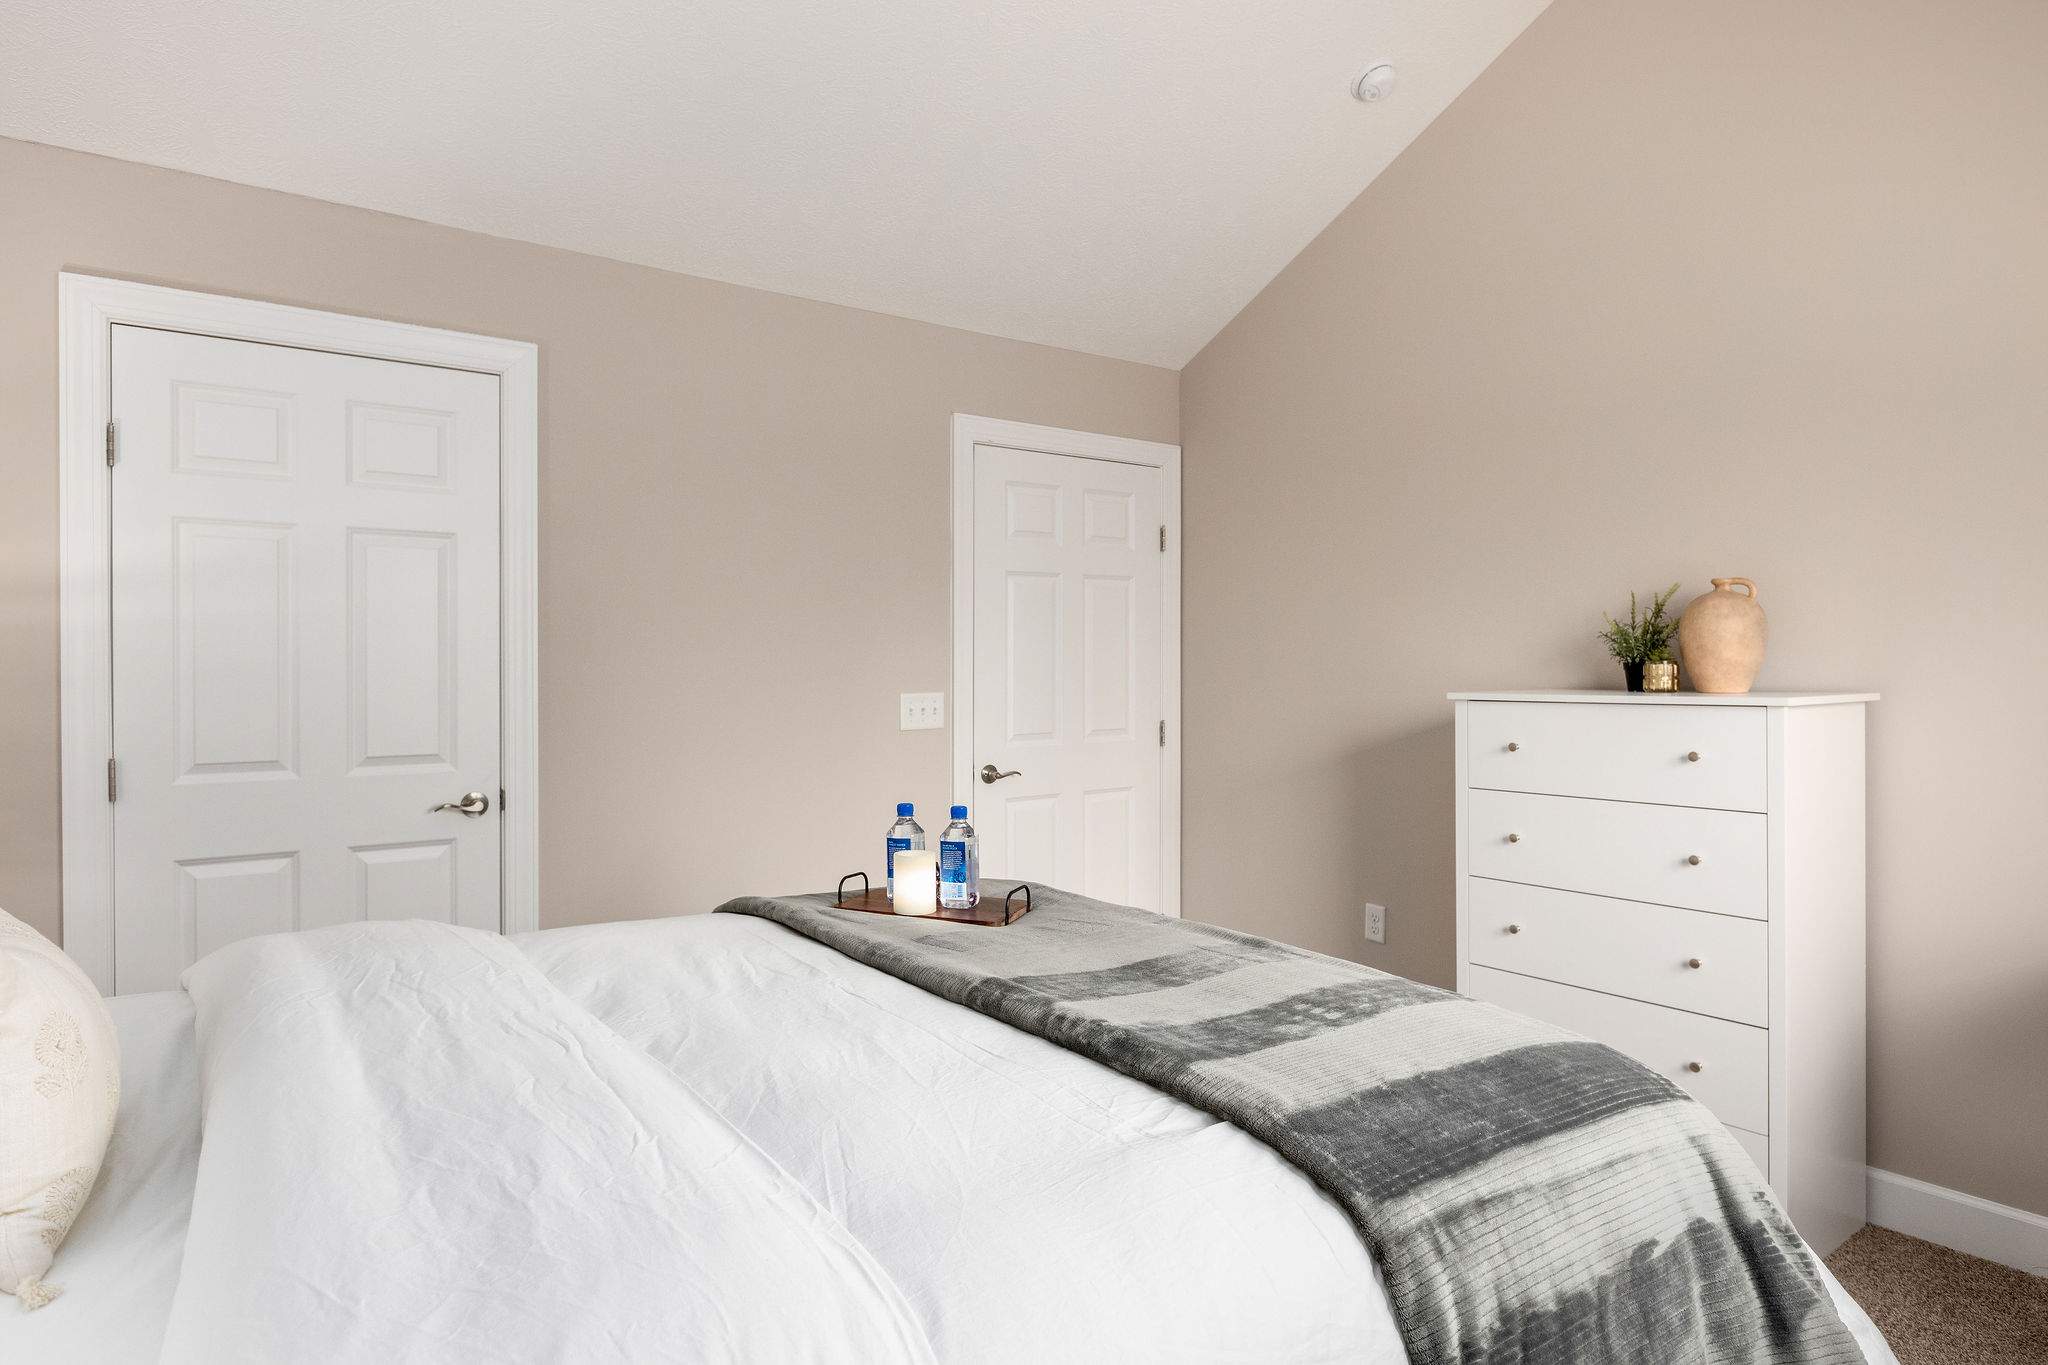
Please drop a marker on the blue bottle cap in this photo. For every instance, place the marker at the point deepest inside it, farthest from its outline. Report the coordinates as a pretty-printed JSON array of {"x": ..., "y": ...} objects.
[
  {"x": 959, "y": 812},
  {"x": 904, "y": 808}
]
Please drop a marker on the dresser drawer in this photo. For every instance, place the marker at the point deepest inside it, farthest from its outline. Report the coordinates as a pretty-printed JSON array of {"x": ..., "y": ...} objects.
[
  {"x": 1620, "y": 752},
  {"x": 1734, "y": 1059},
  {"x": 1624, "y": 948},
  {"x": 1620, "y": 848}
]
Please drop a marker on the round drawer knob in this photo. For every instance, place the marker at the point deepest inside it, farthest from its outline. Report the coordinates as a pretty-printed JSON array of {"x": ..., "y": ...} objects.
[
  {"x": 1514, "y": 747},
  {"x": 1514, "y": 928},
  {"x": 1693, "y": 757},
  {"x": 1514, "y": 838},
  {"x": 1695, "y": 1067},
  {"x": 1694, "y": 963},
  {"x": 1694, "y": 860}
]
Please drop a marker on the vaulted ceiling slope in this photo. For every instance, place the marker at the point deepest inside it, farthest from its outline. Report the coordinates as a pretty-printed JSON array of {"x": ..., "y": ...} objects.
[{"x": 1113, "y": 176}]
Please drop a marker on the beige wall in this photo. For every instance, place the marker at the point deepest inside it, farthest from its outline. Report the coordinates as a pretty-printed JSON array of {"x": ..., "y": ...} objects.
[
  {"x": 1674, "y": 290},
  {"x": 725, "y": 568}
]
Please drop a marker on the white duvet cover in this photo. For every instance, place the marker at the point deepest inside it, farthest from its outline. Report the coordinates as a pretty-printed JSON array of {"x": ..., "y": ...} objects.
[
  {"x": 1033, "y": 1206},
  {"x": 709, "y": 1139},
  {"x": 417, "y": 1150}
]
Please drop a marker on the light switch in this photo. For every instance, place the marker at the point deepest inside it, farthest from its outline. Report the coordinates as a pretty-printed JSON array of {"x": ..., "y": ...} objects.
[{"x": 924, "y": 711}]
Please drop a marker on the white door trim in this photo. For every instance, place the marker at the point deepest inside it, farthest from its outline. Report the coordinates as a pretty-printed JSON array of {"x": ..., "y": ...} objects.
[
  {"x": 88, "y": 307},
  {"x": 969, "y": 432}
]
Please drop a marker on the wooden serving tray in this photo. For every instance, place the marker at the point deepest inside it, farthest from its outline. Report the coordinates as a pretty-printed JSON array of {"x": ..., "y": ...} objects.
[{"x": 990, "y": 913}]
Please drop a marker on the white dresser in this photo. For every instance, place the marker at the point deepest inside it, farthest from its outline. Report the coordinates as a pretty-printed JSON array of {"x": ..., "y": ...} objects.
[{"x": 1680, "y": 876}]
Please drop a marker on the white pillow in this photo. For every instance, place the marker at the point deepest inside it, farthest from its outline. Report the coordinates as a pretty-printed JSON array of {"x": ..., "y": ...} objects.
[{"x": 60, "y": 1082}]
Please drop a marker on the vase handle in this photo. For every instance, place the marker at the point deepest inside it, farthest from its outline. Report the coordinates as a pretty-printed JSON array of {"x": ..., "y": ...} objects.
[{"x": 1724, "y": 582}]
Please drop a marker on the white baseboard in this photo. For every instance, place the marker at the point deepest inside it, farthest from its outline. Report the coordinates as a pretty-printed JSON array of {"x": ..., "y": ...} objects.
[{"x": 1964, "y": 1222}]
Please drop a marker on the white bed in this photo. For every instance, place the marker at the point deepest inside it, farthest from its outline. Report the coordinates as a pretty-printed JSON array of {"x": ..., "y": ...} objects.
[{"x": 1009, "y": 1201}]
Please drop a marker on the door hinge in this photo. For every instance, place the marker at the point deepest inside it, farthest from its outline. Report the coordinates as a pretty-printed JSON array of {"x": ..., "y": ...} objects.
[
  {"x": 110, "y": 443},
  {"x": 1162, "y": 734},
  {"x": 501, "y": 800},
  {"x": 1162, "y": 530},
  {"x": 113, "y": 786}
]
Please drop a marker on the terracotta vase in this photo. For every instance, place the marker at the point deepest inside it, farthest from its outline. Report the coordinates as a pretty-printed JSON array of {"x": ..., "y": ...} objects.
[{"x": 1722, "y": 636}]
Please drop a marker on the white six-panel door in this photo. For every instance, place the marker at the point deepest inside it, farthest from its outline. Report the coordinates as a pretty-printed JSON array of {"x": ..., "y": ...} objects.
[
  {"x": 305, "y": 643},
  {"x": 1068, "y": 674}
]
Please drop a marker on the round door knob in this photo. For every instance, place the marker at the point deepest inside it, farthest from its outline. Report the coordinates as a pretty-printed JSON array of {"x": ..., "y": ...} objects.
[
  {"x": 1513, "y": 747},
  {"x": 1514, "y": 928},
  {"x": 1695, "y": 1067},
  {"x": 1514, "y": 838},
  {"x": 1694, "y": 963},
  {"x": 1693, "y": 757},
  {"x": 1694, "y": 860}
]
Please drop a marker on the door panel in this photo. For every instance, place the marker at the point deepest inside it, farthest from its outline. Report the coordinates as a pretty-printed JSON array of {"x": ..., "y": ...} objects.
[
  {"x": 1031, "y": 657},
  {"x": 403, "y": 631},
  {"x": 243, "y": 433},
  {"x": 1031, "y": 843},
  {"x": 406, "y": 881},
  {"x": 1068, "y": 671},
  {"x": 223, "y": 899},
  {"x": 305, "y": 642},
  {"x": 236, "y": 680},
  {"x": 1109, "y": 853},
  {"x": 1109, "y": 671}
]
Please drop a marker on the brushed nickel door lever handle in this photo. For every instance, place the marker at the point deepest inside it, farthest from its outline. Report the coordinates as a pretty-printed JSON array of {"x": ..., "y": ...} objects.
[
  {"x": 989, "y": 773},
  {"x": 472, "y": 804}
]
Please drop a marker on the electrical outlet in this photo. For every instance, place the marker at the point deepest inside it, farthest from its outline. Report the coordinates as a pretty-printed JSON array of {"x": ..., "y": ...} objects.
[
  {"x": 1376, "y": 923},
  {"x": 923, "y": 710}
]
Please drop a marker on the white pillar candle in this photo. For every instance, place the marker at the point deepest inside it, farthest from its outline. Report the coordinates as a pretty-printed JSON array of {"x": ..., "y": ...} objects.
[{"x": 917, "y": 882}]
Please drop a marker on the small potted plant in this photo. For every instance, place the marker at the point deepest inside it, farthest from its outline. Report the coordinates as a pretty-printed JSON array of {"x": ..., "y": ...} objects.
[{"x": 1644, "y": 638}]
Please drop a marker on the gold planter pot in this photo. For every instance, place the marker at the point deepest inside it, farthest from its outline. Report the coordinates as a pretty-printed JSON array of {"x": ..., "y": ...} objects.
[{"x": 1660, "y": 676}]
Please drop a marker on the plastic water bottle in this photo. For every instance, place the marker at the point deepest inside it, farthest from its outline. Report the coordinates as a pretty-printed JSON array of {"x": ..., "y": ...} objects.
[
  {"x": 905, "y": 833},
  {"x": 959, "y": 864}
]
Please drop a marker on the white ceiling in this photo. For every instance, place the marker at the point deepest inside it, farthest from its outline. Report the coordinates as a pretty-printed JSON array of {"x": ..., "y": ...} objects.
[{"x": 1114, "y": 176}]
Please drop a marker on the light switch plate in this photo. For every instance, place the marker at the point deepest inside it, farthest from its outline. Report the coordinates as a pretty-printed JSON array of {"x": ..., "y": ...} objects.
[
  {"x": 1376, "y": 923},
  {"x": 924, "y": 710}
]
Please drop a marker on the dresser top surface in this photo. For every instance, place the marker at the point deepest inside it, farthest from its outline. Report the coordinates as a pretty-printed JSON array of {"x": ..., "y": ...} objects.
[{"x": 1618, "y": 697}]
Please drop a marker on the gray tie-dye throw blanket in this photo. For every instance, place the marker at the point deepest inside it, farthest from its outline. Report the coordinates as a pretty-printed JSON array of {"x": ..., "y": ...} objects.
[{"x": 1530, "y": 1196}]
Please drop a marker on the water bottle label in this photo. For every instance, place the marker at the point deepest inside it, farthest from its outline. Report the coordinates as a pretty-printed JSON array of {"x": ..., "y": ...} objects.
[
  {"x": 895, "y": 844},
  {"x": 952, "y": 862}
]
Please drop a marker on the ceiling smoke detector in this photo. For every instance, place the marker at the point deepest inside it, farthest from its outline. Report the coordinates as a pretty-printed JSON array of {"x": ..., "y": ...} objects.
[{"x": 1374, "y": 84}]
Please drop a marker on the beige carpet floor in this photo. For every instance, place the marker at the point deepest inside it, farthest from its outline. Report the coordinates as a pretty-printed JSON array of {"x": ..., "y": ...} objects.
[{"x": 1940, "y": 1307}]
